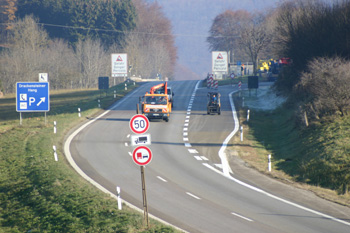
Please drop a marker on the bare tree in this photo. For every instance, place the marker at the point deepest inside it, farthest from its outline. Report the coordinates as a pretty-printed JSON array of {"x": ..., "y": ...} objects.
[
  {"x": 24, "y": 60},
  {"x": 61, "y": 65},
  {"x": 135, "y": 56},
  {"x": 92, "y": 59},
  {"x": 254, "y": 37},
  {"x": 152, "y": 28},
  {"x": 148, "y": 57},
  {"x": 225, "y": 32},
  {"x": 160, "y": 59}
]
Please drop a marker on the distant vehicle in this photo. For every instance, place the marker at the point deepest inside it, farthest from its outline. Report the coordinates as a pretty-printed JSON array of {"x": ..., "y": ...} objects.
[
  {"x": 213, "y": 103},
  {"x": 263, "y": 65},
  {"x": 285, "y": 61},
  {"x": 170, "y": 96}
]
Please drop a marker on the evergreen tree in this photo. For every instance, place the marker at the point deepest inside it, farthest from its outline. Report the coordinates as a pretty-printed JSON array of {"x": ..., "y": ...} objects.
[{"x": 76, "y": 20}]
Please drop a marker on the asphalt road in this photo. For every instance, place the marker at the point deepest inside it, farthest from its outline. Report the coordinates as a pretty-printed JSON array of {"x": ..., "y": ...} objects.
[{"x": 187, "y": 183}]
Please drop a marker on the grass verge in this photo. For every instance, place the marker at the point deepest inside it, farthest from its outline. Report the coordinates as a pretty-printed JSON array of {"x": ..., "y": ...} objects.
[
  {"x": 38, "y": 194},
  {"x": 316, "y": 158}
]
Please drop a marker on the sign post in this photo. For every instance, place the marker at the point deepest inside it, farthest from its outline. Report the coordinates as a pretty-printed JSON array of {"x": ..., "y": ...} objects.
[
  {"x": 142, "y": 155},
  {"x": 32, "y": 97}
]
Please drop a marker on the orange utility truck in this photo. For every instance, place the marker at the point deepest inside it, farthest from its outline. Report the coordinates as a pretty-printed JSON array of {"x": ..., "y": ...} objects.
[{"x": 156, "y": 104}]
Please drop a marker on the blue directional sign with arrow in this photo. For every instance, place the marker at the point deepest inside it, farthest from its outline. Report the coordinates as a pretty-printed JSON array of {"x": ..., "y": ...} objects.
[{"x": 32, "y": 97}]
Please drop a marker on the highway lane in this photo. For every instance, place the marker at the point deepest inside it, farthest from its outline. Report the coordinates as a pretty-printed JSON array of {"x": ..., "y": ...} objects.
[{"x": 184, "y": 186}]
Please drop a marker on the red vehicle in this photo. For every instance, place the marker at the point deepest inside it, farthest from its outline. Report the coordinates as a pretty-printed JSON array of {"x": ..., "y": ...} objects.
[{"x": 285, "y": 61}]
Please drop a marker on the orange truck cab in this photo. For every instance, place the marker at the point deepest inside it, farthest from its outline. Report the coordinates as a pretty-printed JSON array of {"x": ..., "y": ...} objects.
[{"x": 156, "y": 106}]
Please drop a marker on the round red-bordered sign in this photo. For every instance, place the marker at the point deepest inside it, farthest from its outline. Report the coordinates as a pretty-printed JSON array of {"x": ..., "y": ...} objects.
[
  {"x": 142, "y": 155},
  {"x": 139, "y": 124}
]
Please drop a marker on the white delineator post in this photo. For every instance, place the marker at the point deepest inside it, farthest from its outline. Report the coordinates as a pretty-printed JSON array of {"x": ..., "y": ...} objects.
[
  {"x": 115, "y": 94},
  {"x": 241, "y": 133},
  {"x": 269, "y": 162},
  {"x": 55, "y": 153},
  {"x": 248, "y": 113},
  {"x": 54, "y": 127},
  {"x": 79, "y": 114},
  {"x": 119, "y": 199}
]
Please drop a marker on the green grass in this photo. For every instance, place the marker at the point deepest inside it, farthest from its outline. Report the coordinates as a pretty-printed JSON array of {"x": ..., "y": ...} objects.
[
  {"x": 277, "y": 133},
  {"x": 38, "y": 194},
  {"x": 318, "y": 155}
]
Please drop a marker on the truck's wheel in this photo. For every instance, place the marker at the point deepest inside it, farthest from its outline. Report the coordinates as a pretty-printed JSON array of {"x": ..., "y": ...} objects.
[{"x": 167, "y": 119}]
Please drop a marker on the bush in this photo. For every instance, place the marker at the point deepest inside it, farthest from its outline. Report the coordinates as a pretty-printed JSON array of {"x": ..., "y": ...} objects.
[{"x": 325, "y": 87}]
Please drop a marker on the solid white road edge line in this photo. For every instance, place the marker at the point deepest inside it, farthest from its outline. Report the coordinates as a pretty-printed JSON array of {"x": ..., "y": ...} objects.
[
  {"x": 86, "y": 177},
  {"x": 226, "y": 169}
]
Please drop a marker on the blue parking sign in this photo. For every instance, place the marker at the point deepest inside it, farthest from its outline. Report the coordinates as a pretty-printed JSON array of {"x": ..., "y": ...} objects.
[{"x": 32, "y": 97}]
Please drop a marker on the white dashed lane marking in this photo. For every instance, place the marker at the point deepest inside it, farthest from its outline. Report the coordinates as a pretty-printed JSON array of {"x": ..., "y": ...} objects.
[
  {"x": 162, "y": 179},
  {"x": 193, "y": 151},
  {"x": 194, "y": 196},
  {"x": 245, "y": 218}
]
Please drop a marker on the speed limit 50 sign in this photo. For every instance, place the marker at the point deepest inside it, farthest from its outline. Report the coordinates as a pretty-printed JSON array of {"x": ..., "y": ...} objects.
[{"x": 139, "y": 124}]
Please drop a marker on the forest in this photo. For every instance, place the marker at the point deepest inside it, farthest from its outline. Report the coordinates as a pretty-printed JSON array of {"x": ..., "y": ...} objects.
[{"x": 73, "y": 41}]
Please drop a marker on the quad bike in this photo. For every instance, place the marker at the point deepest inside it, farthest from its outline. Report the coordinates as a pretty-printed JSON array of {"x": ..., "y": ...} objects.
[{"x": 213, "y": 103}]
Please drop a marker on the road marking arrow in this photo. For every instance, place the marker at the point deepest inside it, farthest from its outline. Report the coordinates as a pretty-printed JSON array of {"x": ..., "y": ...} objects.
[{"x": 41, "y": 100}]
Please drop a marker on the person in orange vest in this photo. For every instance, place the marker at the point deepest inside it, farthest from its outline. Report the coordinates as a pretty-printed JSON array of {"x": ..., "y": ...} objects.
[{"x": 242, "y": 69}]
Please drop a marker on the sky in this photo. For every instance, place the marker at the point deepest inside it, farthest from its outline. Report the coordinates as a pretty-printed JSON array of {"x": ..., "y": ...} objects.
[{"x": 191, "y": 21}]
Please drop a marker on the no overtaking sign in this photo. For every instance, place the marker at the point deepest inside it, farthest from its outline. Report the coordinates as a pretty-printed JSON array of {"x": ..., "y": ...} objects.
[{"x": 142, "y": 155}]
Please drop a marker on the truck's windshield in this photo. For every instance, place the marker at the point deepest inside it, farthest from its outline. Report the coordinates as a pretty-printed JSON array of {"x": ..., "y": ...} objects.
[{"x": 155, "y": 100}]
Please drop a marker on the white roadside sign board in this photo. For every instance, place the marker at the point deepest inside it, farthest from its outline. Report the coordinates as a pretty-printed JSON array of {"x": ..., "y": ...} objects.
[
  {"x": 119, "y": 64},
  {"x": 219, "y": 61},
  {"x": 43, "y": 77}
]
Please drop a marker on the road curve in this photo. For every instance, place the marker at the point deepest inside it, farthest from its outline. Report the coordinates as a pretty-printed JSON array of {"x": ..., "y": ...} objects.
[{"x": 188, "y": 184}]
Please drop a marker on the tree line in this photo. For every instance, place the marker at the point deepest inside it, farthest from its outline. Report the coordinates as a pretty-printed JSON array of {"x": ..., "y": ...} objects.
[
  {"x": 73, "y": 41},
  {"x": 313, "y": 34}
]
